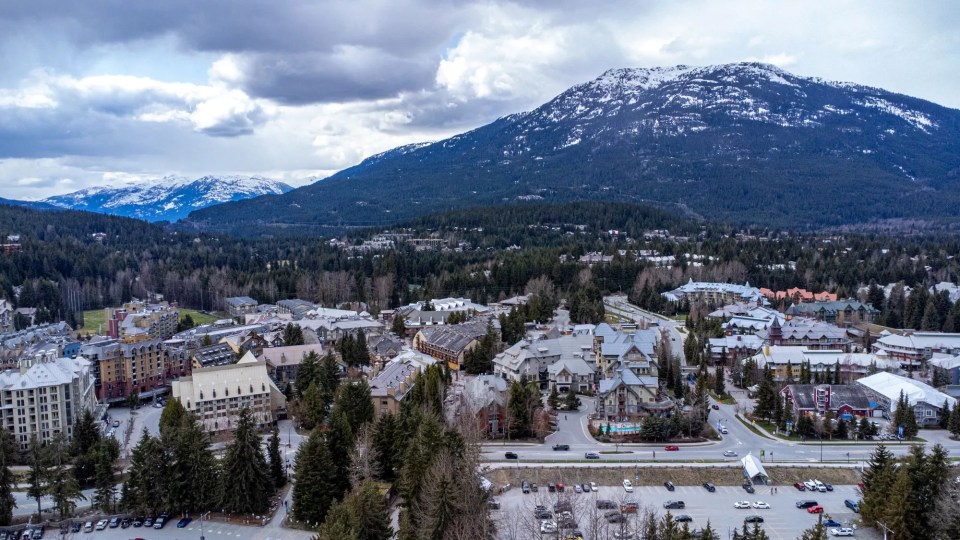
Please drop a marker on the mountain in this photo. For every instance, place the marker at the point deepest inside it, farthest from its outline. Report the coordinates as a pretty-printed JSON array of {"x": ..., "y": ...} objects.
[
  {"x": 36, "y": 205},
  {"x": 744, "y": 143},
  {"x": 170, "y": 198}
]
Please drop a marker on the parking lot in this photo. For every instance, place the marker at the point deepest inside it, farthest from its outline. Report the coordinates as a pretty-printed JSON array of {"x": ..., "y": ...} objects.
[{"x": 782, "y": 521}]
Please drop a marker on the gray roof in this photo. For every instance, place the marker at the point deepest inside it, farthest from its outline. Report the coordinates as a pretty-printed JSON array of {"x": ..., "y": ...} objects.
[
  {"x": 42, "y": 374},
  {"x": 390, "y": 377},
  {"x": 840, "y": 394},
  {"x": 214, "y": 355},
  {"x": 454, "y": 337},
  {"x": 240, "y": 300},
  {"x": 812, "y": 308}
]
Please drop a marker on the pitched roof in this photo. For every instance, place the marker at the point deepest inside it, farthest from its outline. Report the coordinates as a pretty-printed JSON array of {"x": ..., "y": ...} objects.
[{"x": 890, "y": 386}]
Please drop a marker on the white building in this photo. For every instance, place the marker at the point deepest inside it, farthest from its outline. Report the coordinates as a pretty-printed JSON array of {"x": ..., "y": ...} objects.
[
  {"x": 218, "y": 394},
  {"x": 715, "y": 293},
  {"x": 46, "y": 397},
  {"x": 926, "y": 400}
]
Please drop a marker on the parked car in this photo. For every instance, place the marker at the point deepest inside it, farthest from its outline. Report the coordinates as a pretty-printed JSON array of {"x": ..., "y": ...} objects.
[
  {"x": 159, "y": 522},
  {"x": 748, "y": 488},
  {"x": 831, "y": 523},
  {"x": 806, "y": 504},
  {"x": 88, "y": 527},
  {"x": 186, "y": 521},
  {"x": 114, "y": 522},
  {"x": 561, "y": 447},
  {"x": 551, "y": 487},
  {"x": 102, "y": 524},
  {"x": 548, "y": 527},
  {"x": 148, "y": 522},
  {"x": 603, "y": 504},
  {"x": 852, "y": 504},
  {"x": 586, "y": 487},
  {"x": 493, "y": 504},
  {"x": 629, "y": 507},
  {"x": 615, "y": 517},
  {"x": 799, "y": 486},
  {"x": 534, "y": 487},
  {"x": 137, "y": 522},
  {"x": 715, "y": 407},
  {"x": 577, "y": 488},
  {"x": 740, "y": 505},
  {"x": 753, "y": 519},
  {"x": 729, "y": 453},
  {"x": 75, "y": 526},
  {"x": 828, "y": 486},
  {"x": 510, "y": 455},
  {"x": 815, "y": 509},
  {"x": 810, "y": 485},
  {"x": 674, "y": 505},
  {"x": 683, "y": 518},
  {"x": 627, "y": 486},
  {"x": 37, "y": 533},
  {"x": 669, "y": 485},
  {"x": 709, "y": 487},
  {"x": 594, "y": 486},
  {"x": 591, "y": 455},
  {"x": 559, "y": 486},
  {"x": 761, "y": 505},
  {"x": 723, "y": 430},
  {"x": 671, "y": 448},
  {"x": 116, "y": 423},
  {"x": 543, "y": 514},
  {"x": 525, "y": 487},
  {"x": 843, "y": 531},
  {"x": 124, "y": 523}
]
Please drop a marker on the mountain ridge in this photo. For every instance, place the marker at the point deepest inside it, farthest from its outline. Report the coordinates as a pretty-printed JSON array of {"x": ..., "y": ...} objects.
[
  {"x": 747, "y": 143},
  {"x": 169, "y": 198}
]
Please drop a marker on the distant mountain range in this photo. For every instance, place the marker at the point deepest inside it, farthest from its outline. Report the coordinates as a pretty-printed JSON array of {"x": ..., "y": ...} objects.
[
  {"x": 27, "y": 204},
  {"x": 168, "y": 199},
  {"x": 743, "y": 143}
]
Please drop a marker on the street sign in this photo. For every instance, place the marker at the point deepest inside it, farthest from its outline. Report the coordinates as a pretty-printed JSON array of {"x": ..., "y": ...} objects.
[{"x": 900, "y": 431}]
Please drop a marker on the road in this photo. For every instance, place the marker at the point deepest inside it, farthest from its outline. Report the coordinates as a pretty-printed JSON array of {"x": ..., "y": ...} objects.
[{"x": 740, "y": 439}]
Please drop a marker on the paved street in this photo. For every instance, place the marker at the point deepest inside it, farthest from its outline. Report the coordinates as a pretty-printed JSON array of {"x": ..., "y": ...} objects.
[{"x": 618, "y": 305}]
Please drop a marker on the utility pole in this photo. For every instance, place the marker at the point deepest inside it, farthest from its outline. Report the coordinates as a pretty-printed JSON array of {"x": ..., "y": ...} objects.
[
  {"x": 201, "y": 524},
  {"x": 885, "y": 531}
]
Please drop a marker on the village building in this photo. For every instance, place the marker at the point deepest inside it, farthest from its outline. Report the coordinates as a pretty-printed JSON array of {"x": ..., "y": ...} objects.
[{"x": 927, "y": 402}]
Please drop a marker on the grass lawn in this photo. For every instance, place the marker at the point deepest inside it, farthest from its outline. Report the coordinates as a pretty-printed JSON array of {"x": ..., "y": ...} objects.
[{"x": 95, "y": 320}]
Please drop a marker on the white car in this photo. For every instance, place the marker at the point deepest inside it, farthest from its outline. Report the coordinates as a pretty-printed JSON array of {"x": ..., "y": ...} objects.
[
  {"x": 101, "y": 525},
  {"x": 761, "y": 505},
  {"x": 577, "y": 488},
  {"x": 810, "y": 485},
  {"x": 627, "y": 486},
  {"x": 548, "y": 527},
  {"x": 594, "y": 486},
  {"x": 729, "y": 453},
  {"x": 843, "y": 531},
  {"x": 741, "y": 504}
]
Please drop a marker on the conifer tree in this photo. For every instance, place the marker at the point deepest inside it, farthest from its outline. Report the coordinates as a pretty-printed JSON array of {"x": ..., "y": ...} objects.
[
  {"x": 553, "y": 400},
  {"x": 313, "y": 491},
  {"x": 571, "y": 401},
  {"x": 106, "y": 491},
  {"x": 385, "y": 446},
  {"x": 7, "y": 500},
  {"x": 339, "y": 441},
  {"x": 245, "y": 470},
  {"x": 307, "y": 372},
  {"x": 398, "y": 327},
  {"x": 720, "y": 385},
  {"x": 277, "y": 470}
]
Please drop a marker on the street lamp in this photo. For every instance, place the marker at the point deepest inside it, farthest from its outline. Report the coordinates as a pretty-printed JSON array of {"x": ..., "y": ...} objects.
[{"x": 201, "y": 524}]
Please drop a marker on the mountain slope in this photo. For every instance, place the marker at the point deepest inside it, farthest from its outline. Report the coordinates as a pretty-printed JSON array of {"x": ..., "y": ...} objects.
[
  {"x": 168, "y": 199},
  {"x": 747, "y": 143},
  {"x": 36, "y": 205}
]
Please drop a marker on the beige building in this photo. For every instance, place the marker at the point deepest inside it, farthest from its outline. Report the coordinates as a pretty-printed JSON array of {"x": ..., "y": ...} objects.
[
  {"x": 45, "y": 397},
  {"x": 218, "y": 394}
]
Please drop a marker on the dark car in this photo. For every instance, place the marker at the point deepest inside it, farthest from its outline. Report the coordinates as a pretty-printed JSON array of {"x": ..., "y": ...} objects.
[
  {"x": 674, "y": 505},
  {"x": 831, "y": 523},
  {"x": 137, "y": 522},
  {"x": 828, "y": 486},
  {"x": 493, "y": 504},
  {"x": 562, "y": 447},
  {"x": 800, "y": 486},
  {"x": 525, "y": 487},
  {"x": 534, "y": 488},
  {"x": 615, "y": 517},
  {"x": 709, "y": 487},
  {"x": 683, "y": 518},
  {"x": 510, "y": 455},
  {"x": 669, "y": 485},
  {"x": 551, "y": 487},
  {"x": 586, "y": 487},
  {"x": 114, "y": 522},
  {"x": 603, "y": 504},
  {"x": 543, "y": 514},
  {"x": 753, "y": 519},
  {"x": 148, "y": 522},
  {"x": 75, "y": 526},
  {"x": 186, "y": 521},
  {"x": 715, "y": 407},
  {"x": 124, "y": 523},
  {"x": 591, "y": 455},
  {"x": 748, "y": 488},
  {"x": 852, "y": 504},
  {"x": 806, "y": 504}
]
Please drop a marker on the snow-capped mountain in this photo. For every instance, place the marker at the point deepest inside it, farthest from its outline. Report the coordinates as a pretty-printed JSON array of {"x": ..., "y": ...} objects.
[
  {"x": 170, "y": 198},
  {"x": 746, "y": 142}
]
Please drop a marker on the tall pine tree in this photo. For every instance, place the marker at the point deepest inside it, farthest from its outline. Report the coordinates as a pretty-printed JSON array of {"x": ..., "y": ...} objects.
[{"x": 245, "y": 470}]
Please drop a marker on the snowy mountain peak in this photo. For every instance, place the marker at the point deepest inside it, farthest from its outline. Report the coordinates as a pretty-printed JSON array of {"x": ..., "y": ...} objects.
[{"x": 169, "y": 198}]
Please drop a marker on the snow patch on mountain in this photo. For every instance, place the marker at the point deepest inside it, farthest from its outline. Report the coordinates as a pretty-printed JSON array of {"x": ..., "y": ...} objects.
[{"x": 170, "y": 198}]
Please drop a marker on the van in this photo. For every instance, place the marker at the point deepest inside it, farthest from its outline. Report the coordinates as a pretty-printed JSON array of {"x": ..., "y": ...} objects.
[
  {"x": 806, "y": 504},
  {"x": 853, "y": 505}
]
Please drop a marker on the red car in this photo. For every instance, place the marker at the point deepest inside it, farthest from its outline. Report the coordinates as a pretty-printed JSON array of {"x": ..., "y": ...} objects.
[
  {"x": 671, "y": 448},
  {"x": 815, "y": 509},
  {"x": 800, "y": 486},
  {"x": 559, "y": 486}
]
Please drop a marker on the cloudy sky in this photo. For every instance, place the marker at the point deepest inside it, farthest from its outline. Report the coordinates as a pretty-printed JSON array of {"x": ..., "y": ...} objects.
[{"x": 106, "y": 92}]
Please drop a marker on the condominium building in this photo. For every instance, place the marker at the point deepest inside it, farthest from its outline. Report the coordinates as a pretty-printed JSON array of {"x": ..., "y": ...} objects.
[
  {"x": 45, "y": 397},
  {"x": 218, "y": 394},
  {"x": 122, "y": 368}
]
